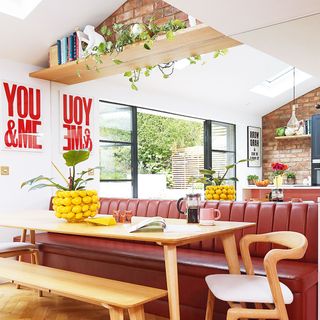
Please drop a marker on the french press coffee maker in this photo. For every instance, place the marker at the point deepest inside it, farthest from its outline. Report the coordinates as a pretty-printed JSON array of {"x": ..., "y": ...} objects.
[{"x": 192, "y": 207}]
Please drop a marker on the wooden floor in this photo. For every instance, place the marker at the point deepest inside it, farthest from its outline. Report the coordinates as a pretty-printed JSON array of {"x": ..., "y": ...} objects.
[{"x": 24, "y": 304}]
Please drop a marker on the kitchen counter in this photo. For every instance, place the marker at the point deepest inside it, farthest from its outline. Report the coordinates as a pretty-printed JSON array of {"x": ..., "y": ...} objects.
[{"x": 305, "y": 193}]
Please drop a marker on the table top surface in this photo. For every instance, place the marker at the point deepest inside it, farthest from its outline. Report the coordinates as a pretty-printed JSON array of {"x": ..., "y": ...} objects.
[{"x": 45, "y": 220}]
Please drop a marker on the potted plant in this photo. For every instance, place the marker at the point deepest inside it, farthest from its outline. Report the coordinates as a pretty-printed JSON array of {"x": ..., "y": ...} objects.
[
  {"x": 216, "y": 183},
  {"x": 278, "y": 172},
  {"x": 252, "y": 178},
  {"x": 71, "y": 202},
  {"x": 291, "y": 178}
]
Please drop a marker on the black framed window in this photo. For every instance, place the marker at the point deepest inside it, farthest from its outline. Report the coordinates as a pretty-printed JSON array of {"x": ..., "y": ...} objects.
[
  {"x": 220, "y": 142},
  {"x": 122, "y": 156},
  {"x": 117, "y": 136}
]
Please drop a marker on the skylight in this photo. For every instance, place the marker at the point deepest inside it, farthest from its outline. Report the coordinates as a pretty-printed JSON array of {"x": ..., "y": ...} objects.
[
  {"x": 280, "y": 82},
  {"x": 18, "y": 8}
]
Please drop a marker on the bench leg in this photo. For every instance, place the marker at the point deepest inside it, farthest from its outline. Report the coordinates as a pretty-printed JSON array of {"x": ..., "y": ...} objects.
[
  {"x": 136, "y": 313},
  {"x": 116, "y": 313},
  {"x": 22, "y": 239}
]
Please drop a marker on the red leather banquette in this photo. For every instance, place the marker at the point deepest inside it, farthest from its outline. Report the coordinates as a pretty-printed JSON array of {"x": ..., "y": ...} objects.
[{"x": 144, "y": 263}]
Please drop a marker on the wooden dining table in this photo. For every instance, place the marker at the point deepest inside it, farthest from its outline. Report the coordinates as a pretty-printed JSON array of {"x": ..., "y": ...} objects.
[{"x": 180, "y": 233}]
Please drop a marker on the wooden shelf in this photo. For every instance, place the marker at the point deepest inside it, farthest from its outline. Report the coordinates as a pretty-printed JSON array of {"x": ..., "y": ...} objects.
[
  {"x": 302, "y": 136},
  {"x": 188, "y": 42}
]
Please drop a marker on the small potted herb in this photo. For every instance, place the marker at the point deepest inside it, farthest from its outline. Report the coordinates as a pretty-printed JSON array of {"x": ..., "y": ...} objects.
[
  {"x": 291, "y": 178},
  {"x": 252, "y": 178}
]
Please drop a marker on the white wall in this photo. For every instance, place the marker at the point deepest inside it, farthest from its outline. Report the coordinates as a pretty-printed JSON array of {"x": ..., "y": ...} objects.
[{"x": 25, "y": 165}]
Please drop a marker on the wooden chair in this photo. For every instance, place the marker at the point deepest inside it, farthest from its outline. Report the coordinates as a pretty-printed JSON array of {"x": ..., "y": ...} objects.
[
  {"x": 17, "y": 249},
  {"x": 268, "y": 291}
]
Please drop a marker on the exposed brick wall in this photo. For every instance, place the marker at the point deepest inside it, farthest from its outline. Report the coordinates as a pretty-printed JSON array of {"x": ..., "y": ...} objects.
[
  {"x": 138, "y": 11},
  {"x": 295, "y": 152}
]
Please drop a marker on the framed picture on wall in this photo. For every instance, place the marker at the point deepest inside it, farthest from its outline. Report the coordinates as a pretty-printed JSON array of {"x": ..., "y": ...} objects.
[{"x": 254, "y": 146}]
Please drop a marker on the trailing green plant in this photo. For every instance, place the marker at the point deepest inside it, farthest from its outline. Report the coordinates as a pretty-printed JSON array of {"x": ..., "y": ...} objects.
[
  {"x": 120, "y": 35},
  {"x": 75, "y": 181},
  {"x": 212, "y": 177}
]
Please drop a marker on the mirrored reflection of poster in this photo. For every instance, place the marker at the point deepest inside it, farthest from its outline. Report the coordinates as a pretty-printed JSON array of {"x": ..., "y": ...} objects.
[
  {"x": 21, "y": 113},
  {"x": 76, "y": 116},
  {"x": 254, "y": 146}
]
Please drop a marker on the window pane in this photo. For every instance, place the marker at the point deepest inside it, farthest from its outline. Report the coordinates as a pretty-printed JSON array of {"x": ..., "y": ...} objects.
[
  {"x": 222, "y": 159},
  {"x": 116, "y": 189},
  {"x": 115, "y": 161},
  {"x": 115, "y": 122},
  {"x": 222, "y": 136},
  {"x": 170, "y": 151}
]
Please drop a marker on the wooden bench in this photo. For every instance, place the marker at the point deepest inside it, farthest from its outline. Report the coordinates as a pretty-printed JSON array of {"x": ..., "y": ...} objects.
[{"x": 113, "y": 295}]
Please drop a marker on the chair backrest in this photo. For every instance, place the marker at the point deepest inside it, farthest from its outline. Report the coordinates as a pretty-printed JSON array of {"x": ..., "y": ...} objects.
[{"x": 296, "y": 245}]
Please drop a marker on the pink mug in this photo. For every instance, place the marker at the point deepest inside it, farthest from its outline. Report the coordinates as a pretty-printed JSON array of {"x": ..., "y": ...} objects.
[{"x": 208, "y": 216}]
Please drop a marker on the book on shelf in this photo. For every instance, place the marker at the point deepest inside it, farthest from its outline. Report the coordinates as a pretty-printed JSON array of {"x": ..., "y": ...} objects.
[
  {"x": 59, "y": 51},
  {"x": 53, "y": 56},
  {"x": 154, "y": 224}
]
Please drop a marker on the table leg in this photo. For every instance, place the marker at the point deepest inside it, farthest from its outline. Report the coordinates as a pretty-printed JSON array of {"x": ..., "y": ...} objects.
[
  {"x": 170, "y": 258},
  {"x": 230, "y": 251},
  {"x": 33, "y": 241}
]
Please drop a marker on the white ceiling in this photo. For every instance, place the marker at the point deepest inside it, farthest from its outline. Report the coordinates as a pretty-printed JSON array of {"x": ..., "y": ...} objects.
[
  {"x": 285, "y": 29},
  {"x": 28, "y": 40},
  {"x": 219, "y": 87}
]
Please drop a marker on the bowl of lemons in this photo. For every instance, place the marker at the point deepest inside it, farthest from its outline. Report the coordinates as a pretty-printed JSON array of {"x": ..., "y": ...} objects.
[
  {"x": 76, "y": 205},
  {"x": 222, "y": 192}
]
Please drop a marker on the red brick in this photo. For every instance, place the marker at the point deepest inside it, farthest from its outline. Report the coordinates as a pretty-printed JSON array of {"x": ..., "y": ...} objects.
[
  {"x": 168, "y": 11},
  {"x": 160, "y": 4},
  {"x": 162, "y": 21},
  {"x": 129, "y": 5},
  {"x": 144, "y": 10},
  {"x": 145, "y": 2},
  {"x": 181, "y": 16},
  {"x": 124, "y": 16}
]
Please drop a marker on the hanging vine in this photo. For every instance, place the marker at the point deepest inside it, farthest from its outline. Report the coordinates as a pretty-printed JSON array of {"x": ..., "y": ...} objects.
[{"x": 120, "y": 35}]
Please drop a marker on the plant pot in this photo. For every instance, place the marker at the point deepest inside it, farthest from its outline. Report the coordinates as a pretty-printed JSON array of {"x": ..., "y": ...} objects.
[
  {"x": 223, "y": 192},
  {"x": 251, "y": 182},
  {"x": 291, "y": 181},
  {"x": 76, "y": 206}
]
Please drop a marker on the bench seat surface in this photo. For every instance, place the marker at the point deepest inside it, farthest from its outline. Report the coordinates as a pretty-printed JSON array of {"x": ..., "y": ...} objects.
[{"x": 74, "y": 285}]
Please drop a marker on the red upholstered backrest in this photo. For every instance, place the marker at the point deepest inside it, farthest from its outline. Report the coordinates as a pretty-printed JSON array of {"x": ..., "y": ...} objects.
[{"x": 267, "y": 216}]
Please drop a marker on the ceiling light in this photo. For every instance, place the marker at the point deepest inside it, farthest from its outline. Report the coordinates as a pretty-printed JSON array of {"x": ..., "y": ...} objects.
[
  {"x": 280, "y": 82},
  {"x": 18, "y": 8}
]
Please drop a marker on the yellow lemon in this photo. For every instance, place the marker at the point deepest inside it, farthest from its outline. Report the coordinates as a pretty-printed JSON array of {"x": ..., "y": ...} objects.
[
  {"x": 85, "y": 208},
  {"x": 60, "y": 209},
  {"x": 58, "y": 215},
  {"x": 86, "y": 199},
  {"x": 59, "y": 193},
  {"x": 95, "y": 199},
  {"x": 70, "y": 215},
  {"x": 218, "y": 191},
  {"x": 90, "y": 193},
  {"x": 87, "y": 214},
  {"x": 230, "y": 197},
  {"x": 78, "y": 216},
  {"x": 216, "y": 197},
  {"x": 94, "y": 207},
  {"x": 93, "y": 214},
  {"x": 67, "y": 209},
  {"x": 54, "y": 207},
  {"x": 76, "y": 209},
  {"x": 64, "y": 215},
  {"x": 76, "y": 201},
  {"x": 223, "y": 196},
  {"x": 82, "y": 193},
  {"x": 209, "y": 197},
  {"x": 67, "y": 201},
  {"x": 73, "y": 194},
  {"x": 230, "y": 191},
  {"x": 98, "y": 204}
]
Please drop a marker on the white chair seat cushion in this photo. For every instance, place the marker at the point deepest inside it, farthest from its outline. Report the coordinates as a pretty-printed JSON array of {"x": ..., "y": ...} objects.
[
  {"x": 244, "y": 288},
  {"x": 15, "y": 246}
]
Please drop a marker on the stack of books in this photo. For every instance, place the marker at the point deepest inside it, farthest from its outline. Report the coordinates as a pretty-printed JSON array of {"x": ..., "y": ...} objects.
[{"x": 68, "y": 49}]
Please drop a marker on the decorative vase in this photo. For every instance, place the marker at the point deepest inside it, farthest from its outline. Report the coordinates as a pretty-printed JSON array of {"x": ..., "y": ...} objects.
[
  {"x": 76, "y": 206},
  {"x": 278, "y": 181},
  {"x": 223, "y": 192}
]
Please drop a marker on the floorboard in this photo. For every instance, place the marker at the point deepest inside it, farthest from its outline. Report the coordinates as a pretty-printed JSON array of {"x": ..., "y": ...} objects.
[{"x": 24, "y": 304}]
